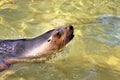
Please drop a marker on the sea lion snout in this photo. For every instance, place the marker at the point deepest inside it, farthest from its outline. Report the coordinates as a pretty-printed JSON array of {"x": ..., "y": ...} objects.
[
  {"x": 69, "y": 27},
  {"x": 69, "y": 32}
]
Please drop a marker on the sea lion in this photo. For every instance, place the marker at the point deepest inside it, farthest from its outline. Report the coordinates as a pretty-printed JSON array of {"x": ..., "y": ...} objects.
[{"x": 13, "y": 51}]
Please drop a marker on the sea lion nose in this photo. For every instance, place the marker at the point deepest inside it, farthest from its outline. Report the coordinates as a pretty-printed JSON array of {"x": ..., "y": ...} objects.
[{"x": 69, "y": 27}]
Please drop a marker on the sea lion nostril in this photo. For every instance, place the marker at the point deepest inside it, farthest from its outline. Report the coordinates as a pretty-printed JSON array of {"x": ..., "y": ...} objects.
[{"x": 71, "y": 27}]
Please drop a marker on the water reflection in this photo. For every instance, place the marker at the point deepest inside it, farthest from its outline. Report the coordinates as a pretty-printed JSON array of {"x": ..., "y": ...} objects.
[{"x": 111, "y": 26}]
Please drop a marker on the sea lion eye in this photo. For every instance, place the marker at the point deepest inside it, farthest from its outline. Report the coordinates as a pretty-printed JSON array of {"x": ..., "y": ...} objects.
[
  {"x": 49, "y": 40},
  {"x": 58, "y": 34}
]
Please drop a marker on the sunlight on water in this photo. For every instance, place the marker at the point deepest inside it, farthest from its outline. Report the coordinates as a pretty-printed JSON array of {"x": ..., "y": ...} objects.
[{"x": 92, "y": 55}]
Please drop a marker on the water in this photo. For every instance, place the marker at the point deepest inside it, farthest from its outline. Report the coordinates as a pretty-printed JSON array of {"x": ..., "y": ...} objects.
[{"x": 92, "y": 55}]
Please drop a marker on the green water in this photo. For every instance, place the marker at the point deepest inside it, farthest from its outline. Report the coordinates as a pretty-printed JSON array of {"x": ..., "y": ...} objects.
[{"x": 94, "y": 53}]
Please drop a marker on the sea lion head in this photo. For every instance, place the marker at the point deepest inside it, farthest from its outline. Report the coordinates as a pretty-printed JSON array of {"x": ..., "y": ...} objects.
[{"x": 60, "y": 37}]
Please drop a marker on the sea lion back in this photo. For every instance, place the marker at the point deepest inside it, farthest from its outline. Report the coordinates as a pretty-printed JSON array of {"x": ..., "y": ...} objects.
[{"x": 7, "y": 48}]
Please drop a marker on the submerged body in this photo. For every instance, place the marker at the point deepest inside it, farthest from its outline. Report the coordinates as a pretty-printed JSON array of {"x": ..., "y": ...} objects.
[{"x": 12, "y": 51}]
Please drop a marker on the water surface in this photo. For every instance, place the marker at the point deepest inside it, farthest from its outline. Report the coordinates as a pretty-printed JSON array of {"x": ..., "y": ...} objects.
[{"x": 92, "y": 55}]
